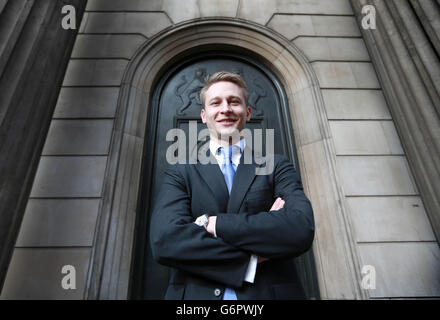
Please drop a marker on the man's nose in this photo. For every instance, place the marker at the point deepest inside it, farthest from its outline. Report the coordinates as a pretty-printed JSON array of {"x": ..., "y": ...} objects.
[{"x": 225, "y": 106}]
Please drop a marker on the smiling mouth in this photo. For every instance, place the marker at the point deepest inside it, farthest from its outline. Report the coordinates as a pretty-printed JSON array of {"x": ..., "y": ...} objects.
[{"x": 227, "y": 121}]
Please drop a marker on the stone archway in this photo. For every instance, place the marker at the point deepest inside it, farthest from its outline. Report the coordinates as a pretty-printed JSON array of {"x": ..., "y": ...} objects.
[{"x": 335, "y": 254}]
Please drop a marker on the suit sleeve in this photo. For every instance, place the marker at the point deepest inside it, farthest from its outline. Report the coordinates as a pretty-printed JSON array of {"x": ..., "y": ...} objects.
[
  {"x": 178, "y": 242},
  {"x": 284, "y": 233}
]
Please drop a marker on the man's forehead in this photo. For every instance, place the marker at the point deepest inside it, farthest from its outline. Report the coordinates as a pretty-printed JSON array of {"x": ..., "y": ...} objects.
[
  {"x": 224, "y": 89},
  {"x": 225, "y": 95}
]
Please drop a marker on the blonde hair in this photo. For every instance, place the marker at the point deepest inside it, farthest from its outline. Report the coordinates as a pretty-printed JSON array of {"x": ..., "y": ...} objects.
[{"x": 224, "y": 76}]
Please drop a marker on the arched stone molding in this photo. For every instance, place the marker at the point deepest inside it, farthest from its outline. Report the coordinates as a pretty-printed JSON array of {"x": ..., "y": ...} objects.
[{"x": 334, "y": 249}]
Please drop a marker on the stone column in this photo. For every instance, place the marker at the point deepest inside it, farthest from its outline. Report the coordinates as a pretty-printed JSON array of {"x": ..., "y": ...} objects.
[
  {"x": 34, "y": 52},
  {"x": 404, "y": 49}
]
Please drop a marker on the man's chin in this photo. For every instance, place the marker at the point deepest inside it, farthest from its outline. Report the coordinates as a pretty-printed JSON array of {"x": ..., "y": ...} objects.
[
  {"x": 228, "y": 131},
  {"x": 227, "y": 134}
]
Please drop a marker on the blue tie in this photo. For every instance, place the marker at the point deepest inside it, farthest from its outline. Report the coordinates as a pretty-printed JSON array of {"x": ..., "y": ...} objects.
[
  {"x": 228, "y": 171},
  {"x": 228, "y": 167}
]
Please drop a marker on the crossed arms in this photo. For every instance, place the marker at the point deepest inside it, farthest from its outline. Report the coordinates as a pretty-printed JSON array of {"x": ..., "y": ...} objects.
[
  {"x": 285, "y": 231},
  {"x": 210, "y": 227}
]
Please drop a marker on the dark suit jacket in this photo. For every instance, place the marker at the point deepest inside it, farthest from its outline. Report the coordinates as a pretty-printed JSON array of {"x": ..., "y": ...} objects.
[{"x": 202, "y": 265}]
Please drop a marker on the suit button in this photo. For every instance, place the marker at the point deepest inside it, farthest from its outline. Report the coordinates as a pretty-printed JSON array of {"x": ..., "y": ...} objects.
[{"x": 217, "y": 292}]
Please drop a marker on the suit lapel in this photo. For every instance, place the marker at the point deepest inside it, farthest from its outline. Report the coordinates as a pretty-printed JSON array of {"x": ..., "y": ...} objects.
[
  {"x": 244, "y": 177},
  {"x": 213, "y": 177}
]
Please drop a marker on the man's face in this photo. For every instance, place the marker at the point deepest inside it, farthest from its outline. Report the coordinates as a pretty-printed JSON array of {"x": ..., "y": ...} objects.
[{"x": 225, "y": 110}]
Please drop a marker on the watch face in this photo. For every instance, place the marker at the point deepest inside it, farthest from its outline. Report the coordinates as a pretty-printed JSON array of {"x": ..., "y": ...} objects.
[
  {"x": 202, "y": 220},
  {"x": 205, "y": 219}
]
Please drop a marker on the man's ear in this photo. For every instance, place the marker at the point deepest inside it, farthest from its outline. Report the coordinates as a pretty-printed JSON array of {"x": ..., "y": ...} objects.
[
  {"x": 248, "y": 113},
  {"x": 202, "y": 115}
]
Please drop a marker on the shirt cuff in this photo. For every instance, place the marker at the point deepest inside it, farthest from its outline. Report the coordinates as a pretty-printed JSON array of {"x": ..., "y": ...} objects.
[{"x": 252, "y": 269}]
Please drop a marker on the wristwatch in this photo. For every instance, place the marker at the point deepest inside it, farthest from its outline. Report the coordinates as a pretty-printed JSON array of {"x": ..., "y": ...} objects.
[{"x": 202, "y": 221}]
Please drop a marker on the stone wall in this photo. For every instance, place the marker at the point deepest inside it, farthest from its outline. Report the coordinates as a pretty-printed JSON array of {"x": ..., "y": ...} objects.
[
  {"x": 34, "y": 53},
  {"x": 388, "y": 223}
]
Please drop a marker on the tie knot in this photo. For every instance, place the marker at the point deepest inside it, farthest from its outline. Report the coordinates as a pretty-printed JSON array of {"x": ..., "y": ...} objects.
[{"x": 226, "y": 152}]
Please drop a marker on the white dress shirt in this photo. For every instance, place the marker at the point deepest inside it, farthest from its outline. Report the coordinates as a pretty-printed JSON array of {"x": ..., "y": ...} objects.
[{"x": 236, "y": 155}]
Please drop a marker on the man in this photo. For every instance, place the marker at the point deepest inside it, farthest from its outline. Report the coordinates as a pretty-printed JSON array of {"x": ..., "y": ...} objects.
[{"x": 227, "y": 232}]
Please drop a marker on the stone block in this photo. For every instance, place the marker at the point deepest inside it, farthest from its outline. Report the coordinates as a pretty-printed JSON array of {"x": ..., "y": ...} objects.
[
  {"x": 179, "y": 11},
  {"x": 375, "y": 175},
  {"x": 35, "y": 274},
  {"x": 107, "y": 46},
  {"x": 365, "y": 75},
  {"x": 87, "y": 103},
  {"x": 403, "y": 270},
  {"x": 145, "y": 23},
  {"x": 380, "y": 219},
  {"x": 321, "y": 48},
  {"x": 335, "y": 26},
  {"x": 58, "y": 222},
  {"x": 261, "y": 11},
  {"x": 346, "y": 75},
  {"x": 365, "y": 137},
  {"x": 78, "y": 137},
  {"x": 355, "y": 104},
  {"x": 337, "y": 7},
  {"x": 124, "y": 5},
  {"x": 69, "y": 177},
  {"x": 95, "y": 72},
  {"x": 218, "y": 8},
  {"x": 292, "y": 26}
]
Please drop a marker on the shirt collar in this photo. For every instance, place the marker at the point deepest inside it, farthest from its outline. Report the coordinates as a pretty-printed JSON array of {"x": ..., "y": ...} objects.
[{"x": 214, "y": 145}]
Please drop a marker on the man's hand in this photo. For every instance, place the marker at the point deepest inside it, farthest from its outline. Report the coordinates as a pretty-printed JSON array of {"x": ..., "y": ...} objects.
[
  {"x": 210, "y": 227},
  {"x": 278, "y": 204}
]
